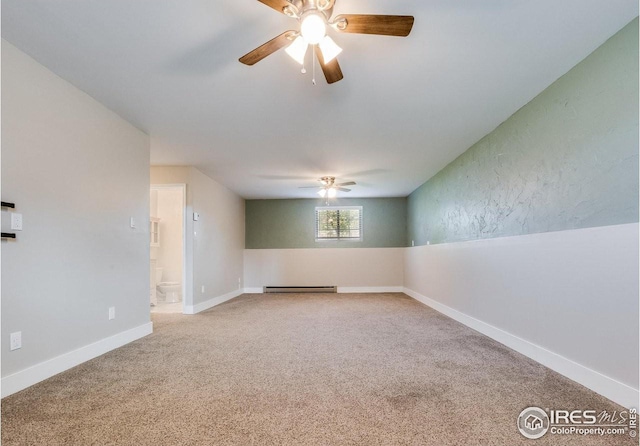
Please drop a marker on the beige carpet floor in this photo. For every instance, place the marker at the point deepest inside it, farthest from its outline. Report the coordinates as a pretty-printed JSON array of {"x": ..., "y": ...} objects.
[{"x": 345, "y": 369}]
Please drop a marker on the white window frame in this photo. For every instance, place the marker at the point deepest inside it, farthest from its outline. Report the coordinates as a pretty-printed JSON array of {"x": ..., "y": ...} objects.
[{"x": 338, "y": 208}]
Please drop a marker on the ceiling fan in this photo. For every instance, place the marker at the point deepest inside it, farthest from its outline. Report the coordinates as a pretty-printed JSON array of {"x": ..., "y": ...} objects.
[
  {"x": 328, "y": 187},
  {"x": 315, "y": 17}
]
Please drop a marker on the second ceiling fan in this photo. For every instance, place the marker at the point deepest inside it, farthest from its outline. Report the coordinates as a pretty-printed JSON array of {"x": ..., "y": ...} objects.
[
  {"x": 315, "y": 18},
  {"x": 328, "y": 187}
]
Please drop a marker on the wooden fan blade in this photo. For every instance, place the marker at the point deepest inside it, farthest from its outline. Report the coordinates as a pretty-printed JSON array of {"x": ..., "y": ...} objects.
[
  {"x": 278, "y": 5},
  {"x": 348, "y": 183},
  {"x": 268, "y": 48},
  {"x": 343, "y": 189},
  {"x": 331, "y": 70},
  {"x": 385, "y": 25}
]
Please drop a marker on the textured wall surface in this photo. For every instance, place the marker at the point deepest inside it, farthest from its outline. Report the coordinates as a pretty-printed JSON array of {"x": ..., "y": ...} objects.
[
  {"x": 277, "y": 224},
  {"x": 566, "y": 160}
]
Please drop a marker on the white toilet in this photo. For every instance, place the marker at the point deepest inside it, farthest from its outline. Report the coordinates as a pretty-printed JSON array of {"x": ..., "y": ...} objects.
[{"x": 169, "y": 292}]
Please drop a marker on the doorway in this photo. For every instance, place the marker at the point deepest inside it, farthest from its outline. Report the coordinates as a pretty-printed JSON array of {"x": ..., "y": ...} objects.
[{"x": 167, "y": 248}]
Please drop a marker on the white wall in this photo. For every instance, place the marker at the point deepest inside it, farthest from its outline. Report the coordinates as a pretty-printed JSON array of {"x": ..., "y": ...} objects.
[
  {"x": 77, "y": 173},
  {"x": 354, "y": 269},
  {"x": 153, "y": 203},
  {"x": 215, "y": 243},
  {"x": 568, "y": 299}
]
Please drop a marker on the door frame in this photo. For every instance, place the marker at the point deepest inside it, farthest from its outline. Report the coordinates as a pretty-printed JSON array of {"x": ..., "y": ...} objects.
[{"x": 183, "y": 188}]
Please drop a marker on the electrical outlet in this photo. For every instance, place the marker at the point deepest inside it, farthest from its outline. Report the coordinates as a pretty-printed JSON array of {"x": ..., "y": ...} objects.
[
  {"x": 413, "y": 243},
  {"x": 239, "y": 283},
  {"x": 16, "y": 222},
  {"x": 132, "y": 223},
  {"x": 16, "y": 340},
  {"x": 112, "y": 313},
  {"x": 202, "y": 289}
]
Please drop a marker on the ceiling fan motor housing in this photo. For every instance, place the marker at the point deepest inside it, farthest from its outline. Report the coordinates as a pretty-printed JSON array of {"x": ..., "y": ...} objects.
[
  {"x": 327, "y": 181},
  {"x": 299, "y": 8}
]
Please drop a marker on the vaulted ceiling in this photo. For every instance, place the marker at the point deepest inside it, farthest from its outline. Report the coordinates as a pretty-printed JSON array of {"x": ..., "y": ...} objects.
[{"x": 405, "y": 108}]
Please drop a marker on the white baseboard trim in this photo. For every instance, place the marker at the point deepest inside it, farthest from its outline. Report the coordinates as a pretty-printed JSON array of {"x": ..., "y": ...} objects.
[
  {"x": 608, "y": 387},
  {"x": 197, "y": 308},
  {"x": 349, "y": 289},
  {"x": 32, "y": 375},
  {"x": 370, "y": 289}
]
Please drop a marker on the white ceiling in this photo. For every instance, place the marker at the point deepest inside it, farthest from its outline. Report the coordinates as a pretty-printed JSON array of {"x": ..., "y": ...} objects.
[{"x": 405, "y": 108}]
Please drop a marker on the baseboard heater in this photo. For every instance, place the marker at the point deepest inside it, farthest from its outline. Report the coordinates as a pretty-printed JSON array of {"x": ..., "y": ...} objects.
[{"x": 300, "y": 289}]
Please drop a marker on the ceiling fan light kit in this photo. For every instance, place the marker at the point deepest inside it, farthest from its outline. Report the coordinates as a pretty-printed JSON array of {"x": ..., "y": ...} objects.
[
  {"x": 315, "y": 17},
  {"x": 329, "y": 193},
  {"x": 329, "y": 48},
  {"x": 298, "y": 50},
  {"x": 312, "y": 27}
]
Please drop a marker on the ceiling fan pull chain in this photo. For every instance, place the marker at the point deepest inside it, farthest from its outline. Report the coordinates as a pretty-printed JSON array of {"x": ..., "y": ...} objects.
[
  {"x": 313, "y": 79},
  {"x": 304, "y": 70}
]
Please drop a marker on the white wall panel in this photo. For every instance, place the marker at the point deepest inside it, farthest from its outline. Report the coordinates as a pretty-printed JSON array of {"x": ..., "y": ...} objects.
[
  {"x": 572, "y": 293},
  {"x": 355, "y": 267}
]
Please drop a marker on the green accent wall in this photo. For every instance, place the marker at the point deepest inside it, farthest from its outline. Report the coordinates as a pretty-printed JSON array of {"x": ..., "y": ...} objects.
[
  {"x": 279, "y": 224},
  {"x": 566, "y": 160}
]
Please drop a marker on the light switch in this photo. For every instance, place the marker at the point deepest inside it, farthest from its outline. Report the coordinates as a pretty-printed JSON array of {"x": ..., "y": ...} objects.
[
  {"x": 132, "y": 223},
  {"x": 16, "y": 222},
  {"x": 15, "y": 340},
  {"x": 196, "y": 216}
]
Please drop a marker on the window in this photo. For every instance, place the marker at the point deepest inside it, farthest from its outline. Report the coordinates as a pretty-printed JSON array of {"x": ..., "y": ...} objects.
[{"x": 339, "y": 223}]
